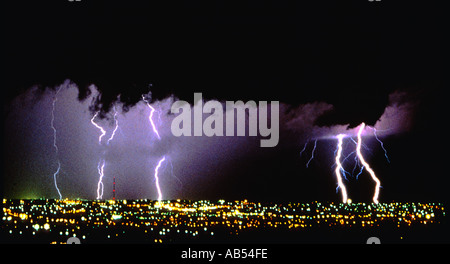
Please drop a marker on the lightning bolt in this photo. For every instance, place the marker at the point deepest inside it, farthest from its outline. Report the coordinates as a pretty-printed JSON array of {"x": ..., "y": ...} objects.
[
  {"x": 102, "y": 162},
  {"x": 358, "y": 158},
  {"x": 312, "y": 153},
  {"x": 54, "y": 178},
  {"x": 116, "y": 126},
  {"x": 173, "y": 175},
  {"x": 103, "y": 132},
  {"x": 356, "y": 162},
  {"x": 339, "y": 169},
  {"x": 100, "y": 165},
  {"x": 55, "y": 98},
  {"x": 150, "y": 117},
  {"x": 157, "y": 178},
  {"x": 381, "y": 143},
  {"x": 100, "y": 168},
  {"x": 354, "y": 168},
  {"x": 304, "y": 148},
  {"x": 366, "y": 165}
]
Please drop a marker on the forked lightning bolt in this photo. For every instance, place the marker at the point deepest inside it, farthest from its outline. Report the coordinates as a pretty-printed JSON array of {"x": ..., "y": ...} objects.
[
  {"x": 103, "y": 132},
  {"x": 381, "y": 143},
  {"x": 54, "y": 140},
  {"x": 100, "y": 165},
  {"x": 102, "y": 162},
  {"x": 359, "y": 161},
  {"x": 366, "y": 165},
  {"x": 312, "y": 153},
  {"x": 152, "y": 123}
]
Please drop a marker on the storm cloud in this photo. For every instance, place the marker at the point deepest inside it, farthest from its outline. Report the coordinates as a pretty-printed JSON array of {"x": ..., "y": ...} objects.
[{"x": 193, "y": 166}]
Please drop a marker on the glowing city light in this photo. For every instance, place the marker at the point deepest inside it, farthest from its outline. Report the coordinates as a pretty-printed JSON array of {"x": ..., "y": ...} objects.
[{"x": 172, "y": 221}]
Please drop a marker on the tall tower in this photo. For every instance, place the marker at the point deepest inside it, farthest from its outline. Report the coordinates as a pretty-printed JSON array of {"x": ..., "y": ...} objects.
[{"x": 114, "y": 188}]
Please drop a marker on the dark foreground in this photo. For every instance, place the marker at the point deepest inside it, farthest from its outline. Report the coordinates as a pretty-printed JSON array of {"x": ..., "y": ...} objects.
[{"x": 203, "y": 221}]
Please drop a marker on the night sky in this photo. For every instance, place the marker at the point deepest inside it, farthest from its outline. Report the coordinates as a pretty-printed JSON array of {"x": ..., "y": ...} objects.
[{"x": 330, "y": 64}]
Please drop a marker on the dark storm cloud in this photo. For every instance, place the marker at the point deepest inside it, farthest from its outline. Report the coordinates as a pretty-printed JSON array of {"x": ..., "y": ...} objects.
[
  {"x": 131, "y": 156},
  {"x": 194, "y": 164},
  {"x": 396, "y": 118}
]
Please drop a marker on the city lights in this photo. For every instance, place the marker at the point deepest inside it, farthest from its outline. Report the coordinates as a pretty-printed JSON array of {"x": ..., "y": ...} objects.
[{"x": 185, "y": 220}]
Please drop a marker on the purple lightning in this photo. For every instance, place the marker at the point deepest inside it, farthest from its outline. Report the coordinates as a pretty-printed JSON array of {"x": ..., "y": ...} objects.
[
  {"x": 157, "y": 178},
  {"x": 366, "y": 165},
  {"x": 173, "y": 175},
  {"x": 312, "y": 153},
  {"x": 152, "y": 123},
  {"x": 101, "y": 164},
  {"x": 100, "y": 168},
  {"x": 304, "y": 148},
  {"x": 150, "y": 117},
  {"x": 381, "y": 143},
  {"x": 358, "y": 159},
  {"x": 339, "y": 169},
  {"x": 116, "y": 121},
  {"x": 103, "y": 132},
  {"x": 55, "y": 98}
]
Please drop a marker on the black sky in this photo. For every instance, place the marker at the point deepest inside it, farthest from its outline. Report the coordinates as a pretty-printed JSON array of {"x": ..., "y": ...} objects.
[{"x": 350, "y": 54}]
